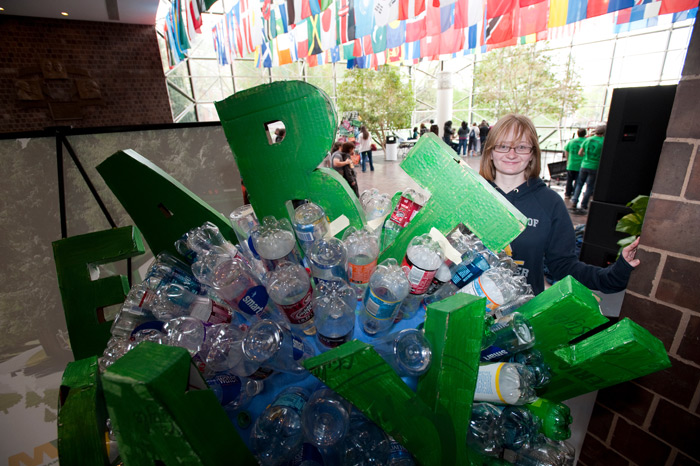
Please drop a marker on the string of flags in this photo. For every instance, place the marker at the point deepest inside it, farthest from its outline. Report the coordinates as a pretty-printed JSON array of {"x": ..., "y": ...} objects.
[{"x": 370, "y": 33}]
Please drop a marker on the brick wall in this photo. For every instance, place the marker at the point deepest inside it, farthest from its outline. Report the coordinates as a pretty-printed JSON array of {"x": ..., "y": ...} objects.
[
  {"x": 655, "y": 420},
  {"x": 112, "y": 75}
]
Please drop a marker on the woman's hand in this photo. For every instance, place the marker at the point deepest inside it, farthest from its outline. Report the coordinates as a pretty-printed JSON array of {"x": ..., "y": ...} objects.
[{"x": 629, "y": 252}]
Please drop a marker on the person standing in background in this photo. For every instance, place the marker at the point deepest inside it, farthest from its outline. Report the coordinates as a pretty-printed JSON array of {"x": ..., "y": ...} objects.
[
  {"x": 591, "y": 149},
  {"x": 463, "y": 135},
  {"x": 573, "y": 161},
  {"x": 483, "y": 132},
  {"x": 365, "y": 148}
]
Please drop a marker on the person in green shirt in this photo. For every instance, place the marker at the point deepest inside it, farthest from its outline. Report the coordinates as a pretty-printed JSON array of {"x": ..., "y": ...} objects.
[
  {"x": 573, "y": 161},
  {"x": 590, "y": 150}
]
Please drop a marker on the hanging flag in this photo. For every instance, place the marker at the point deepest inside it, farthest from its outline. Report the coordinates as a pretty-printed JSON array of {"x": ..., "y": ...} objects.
[
  {"x": 415, "y": 28},
  {"x": 265, "y": 60},
  {"x": 451, "y": 41},
  {"x": 499, "y": 29},
  {"x": 379, "y": 39},
  {"x": 596, "y": 8},
  {"x": 312, "y": 61},
  {"x": 314, "y": 33},
  {"x": 364, "y": 18},
  {"x": 447, "y": 17},
  {"x": 286, "y": 49},
  {"x": 410, "y": 8},
  {"x": 394, "y": 54},
  {"x": 675, "y": 6},
  {"x": 395, "y": 34},
  {"x": 380, "y": 59},
  {"x": 367, "y": 45},
  {"x": 196, "y": 9},
  {"x": 240, "y": 48},
  {"x": 335, "y": 54},
  {"x": 684, "y": 15},
  {"x": 278, "y": 20},
  {"x": 346, "y": 21},
  {"x": 531, "y": 19},
  {"x": 328, "y": 28},
  {"x": 495, "y": 8},
  {"x": 430, "y": 46},
  {"x": 616, "y": 5},
  {"x": 230, "y": 23},
  {"x": 412, "y": 51},
  {"x": 475, "y": 21},
  {"x": 180, "y": 29},
  {"x": 433, "y": 24},
  {"x": 301, "y": 39},
  {"x": 462, "y": 14},
  {"x": 292, "y": 12}
]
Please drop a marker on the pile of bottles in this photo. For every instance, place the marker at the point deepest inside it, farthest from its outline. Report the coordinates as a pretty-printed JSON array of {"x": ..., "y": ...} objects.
[{"x": 288, "y": 290}]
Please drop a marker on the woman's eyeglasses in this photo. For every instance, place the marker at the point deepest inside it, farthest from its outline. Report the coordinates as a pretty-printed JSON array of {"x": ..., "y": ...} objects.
[{"x": 520, "y": 149}]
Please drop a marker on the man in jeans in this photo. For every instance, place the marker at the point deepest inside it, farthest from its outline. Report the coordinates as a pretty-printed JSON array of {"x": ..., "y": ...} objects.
[
  {"x": 590, "y": 150},
  {"x": 573, "y": 161}
]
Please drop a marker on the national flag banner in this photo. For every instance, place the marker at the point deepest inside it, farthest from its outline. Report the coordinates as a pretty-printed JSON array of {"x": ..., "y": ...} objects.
[
  {"x": 196, "y": 9},
  {"x": 685, "y": 15},
  {"x": 381, "y": 58},
  {"x": 495, "y": 8},
  {"x": 476, "y": 16},
  {"x": 430, "y": 46},
  {"x": 328, "y": 28},
  {"x": 461, "y": 14},
  {"x": 447, "y": 17},
  {"x": 265, "y": 55},
  {"x": 395, "y": 34},
  {"x": 472, "y": 37},
  {"x": 314, "y": 7},
  {"x": 312, "y": 60},
  {"x": 433, "y": 25},
  {"x": 180, "y": 26},
  {"x": 364, "y": 18},
  {"x": 410, "y": 8},
  {"x": 576, "y": 11},
  {"x": 240, "y": 49},
  {"x": 676, "y": 6},
  {"x": 301, "y": 39},
  {"x": 219, "y": 47},
  {"x": 347, "y": 50},
  {"x": 499, "y": 29},
  {"x": 325, "y": 3},
  {"x": 412, "y": 50},
  {"x": 531, "y": 19},
  {"x": 189, "y": 17},
  {"x": 394, "y": 54},
  {"x": 616, "y": 5},
  {"x": 357, "y": 48},
  {"x": 335, "y": 54},
  {"x": 379, "y": 39},
  {"x": 345, "y": 21},
  {"x": 314, "y": 34},
  {"x": 367, "y": 45},
  {"x": 415, "y": 28},
  {"x": 231, "y": 39},
  {"x": 451, "y": 41},
  {"x": 596, "y": 8},
  {"x": 286, "y": 49},
  {"x": 381, "y": 12},
  {"x": 292, "y": 13},
  {"x": 279, "y": 19}
]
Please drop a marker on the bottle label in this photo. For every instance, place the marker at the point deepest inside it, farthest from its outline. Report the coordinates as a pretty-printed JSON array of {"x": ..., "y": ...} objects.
[
  {"x": 379, "y": 308},
  {"x": 230, "y": 387},
  {"x": 398, "y": 452},
  {"x": 359, "y": 274},
  {"x": 301, "y": 311},
  {"x": 488, "y": 384},
  {"x": 254, "y": 300},
  {"x": 305, "y": 233},
  {"x": 419, "y": 278},
  {"x": 252, "y": 248},
  {"x": 261, "y": 374},
  {"x": 493, "y": 353},
  {"x": 479, "y": 288},
  {"x": 465, "y": 273},
  {"x": 293, "y": 400},
  {"x": 147, "y": 299},
  {"x": 435, "y": 285},
  {"x": 404, "y": 212},
  {"x": 332, "y": 342},
  {"x": 297, "y": 347}
]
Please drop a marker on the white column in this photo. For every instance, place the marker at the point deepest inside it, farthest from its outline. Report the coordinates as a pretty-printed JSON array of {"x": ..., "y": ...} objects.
[{"x": 445, "y": 97}]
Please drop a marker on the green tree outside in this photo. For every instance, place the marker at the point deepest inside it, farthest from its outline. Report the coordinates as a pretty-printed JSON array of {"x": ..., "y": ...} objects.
[{"x": 382, "y": 98}]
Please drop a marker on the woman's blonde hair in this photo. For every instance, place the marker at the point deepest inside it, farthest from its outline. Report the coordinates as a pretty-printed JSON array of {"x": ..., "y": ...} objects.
[{"x": 522, "y": 126}]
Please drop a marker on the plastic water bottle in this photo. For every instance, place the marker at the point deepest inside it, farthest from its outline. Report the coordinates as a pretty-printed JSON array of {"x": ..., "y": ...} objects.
[
  {"x": 289, "y": 288},
  {"x": 325, "y": 420},
  {"x": 244, "y": 221},
  {"x": 276, "y": 347},
  {"x": 174, "y": 300},
  {"x": 166, "y": 268},
  {"x": 192, "y": 334},
  {"x": 508, "y": 383},
  {"x": 408, "y": 206},
  {"x": 494, "y": 285},
  {"x": 233, "y": 392},
  {"x": 388, "y": 286},
  {"x": 334, "y": 313},
  {"x": 310, "y": 223},
  {"x": 546, "y": 453},
  {"x": 442, "y": 277},
  {"x": 274, "y": 242},
  {"x": 525, "y": 295},
  {"x": 136, "y": 309},
  {"x": 422, "y": 260},
  {"x": 520, "y": 427},
  {"x": 555, "y": 418},
  {"x": 226, "y": 355},
  {"x": 532, "y": 360},
  {"x": 485, "y": 434},
  {"x": 365, "y": 443},
  {"x": 363, "y": 251},
  {"x": 206, "y": 238},
  {"x": 277, "y": 433},
  {"x": 328, "y": 259},
  {"x": 513, "y": 333},
  {"x": 407, "y": 351},
  {"x": 376, "y": 205},
  {"x": 398, "y": 455},
  {"x": 233, "y": 282},
  {"x": 307, "y": 455}
]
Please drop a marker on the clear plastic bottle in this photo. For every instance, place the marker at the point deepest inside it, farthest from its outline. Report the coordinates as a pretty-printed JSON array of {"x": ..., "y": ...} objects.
[
  {"x": 243, "y": 220},
  {"x": 234, "y": 283},
  {"x": 174, "y": 300},
  {"x": 398, "y": 455},
  {"x": 194, "y": 335},
  {"x": 545, "y": 453},
  {"x": 495, "y": 285},
  {"x": 442, "y": 277},
  {"x": 289, "y": 288},
  {"x": 365, "y": 443},
  {"x": 208, "y": 237},
  {"x": 277, "y": 433},
  {"x": 508, "y": 383},
  {"x": 328, "y": 259},
  {"x": 513, "y": 333},
  {"x": 422, "y": 260},
  {"x": 408, "y": 206},
  {"x": 485, "y": 434},
  {"x": 363, "y": 251},
  {"x": 407, "y": 351},
  {"x": 136, "y": 309},
  {"x": 325, "y": 420},
  {"x": 233, "y": 392},
  {"x": 520, "y": 427},
  {"x": 276, "y": 347},
  {"x": 166, "y": 268},
  {"x": 388, "y": 286},
  {"x": 310, "y": 223},
  {"x": 226, "y": 355},
  {"x": 274, "y": 242},
  {"x": 334, "y": 313},
  {"x": 533, "y": 360}
]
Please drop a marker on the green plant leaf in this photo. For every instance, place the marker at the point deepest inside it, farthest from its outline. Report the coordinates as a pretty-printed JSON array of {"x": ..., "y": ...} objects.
[
  {"x": 639, "y": 205},
  {"x": 630, "y": 223},
  {"x": 624, "y": 242}
]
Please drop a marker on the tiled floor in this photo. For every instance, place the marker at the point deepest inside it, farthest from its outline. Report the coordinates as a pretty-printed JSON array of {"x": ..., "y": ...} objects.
[{"x": 388, "y": 177}]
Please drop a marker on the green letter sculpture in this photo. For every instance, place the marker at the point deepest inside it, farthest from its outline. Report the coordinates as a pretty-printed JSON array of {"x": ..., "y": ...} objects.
[
  {"x": 83, "y": 297},
  {"x": 159, "y": 205},
  {"x": 275, "y": 173}
]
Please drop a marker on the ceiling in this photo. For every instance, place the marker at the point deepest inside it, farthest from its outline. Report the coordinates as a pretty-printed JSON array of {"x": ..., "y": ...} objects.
[{"x": 120, "y": 11}]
